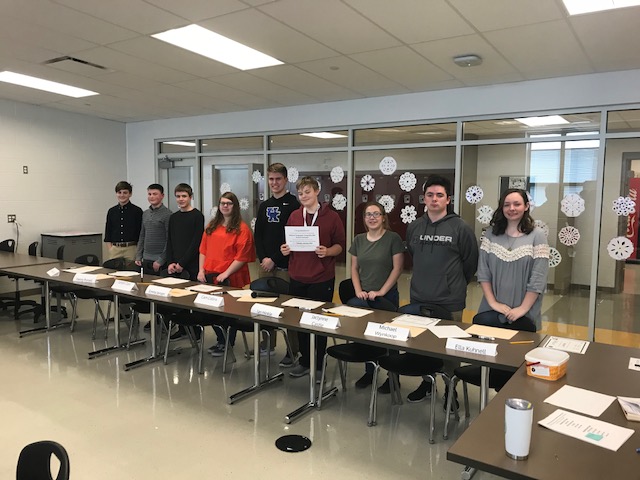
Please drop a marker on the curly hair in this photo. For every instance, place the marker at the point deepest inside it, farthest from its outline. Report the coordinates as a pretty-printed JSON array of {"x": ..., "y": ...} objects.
[
  {"x": 234, "y": 222},
  {"x": 499, "y": 222}
]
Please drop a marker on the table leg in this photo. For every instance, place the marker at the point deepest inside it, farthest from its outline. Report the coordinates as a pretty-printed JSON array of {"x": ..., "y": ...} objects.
[
  {"x": 116, "y": 326},
  {"x": 469, "y": 472},
  {"x": 155, "y": 355},
  {"x": 47, "y": 316},
  {"x": 313, "y": 400},
  {"x": 258, "y": 383}
]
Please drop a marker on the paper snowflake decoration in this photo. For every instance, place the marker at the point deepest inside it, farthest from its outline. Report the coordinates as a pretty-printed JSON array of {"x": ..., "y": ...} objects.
[
  {"x": 474, "y": 194},
  {"x": 244, "y": 203},
  {"x": 569, "y": 236},
  {"x": 542, "y": 226},
  {"x": 485, "y": 214},
  {"x": 292, "y": 174},
  {"x": 257, "y": 176},
  {"x": 620, "y": 248},
  {"x": 388, "y": 165},
  {"x": 213, "y": 212},
  {"x": 408, "y": 214},
  {"x": 224, "y": 188},
  {"x": 387, "y": 202},
  {"x": 367, "y": 183},
  {"x": 407, "y": 181},
  {"x": 572, "y": 205},
  {"x": 532, "y": 203},
  {"x": 253, "y": 224},
  {"x": 554, "y": 257},
  {"x": 339, "y": 201},
  {"x": 337, "y": 174},
  {"x": 624, "y": 206}
]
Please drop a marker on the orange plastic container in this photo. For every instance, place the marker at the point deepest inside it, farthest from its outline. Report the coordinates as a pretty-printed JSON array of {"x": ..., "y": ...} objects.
[{"x": 546, "y": 363}]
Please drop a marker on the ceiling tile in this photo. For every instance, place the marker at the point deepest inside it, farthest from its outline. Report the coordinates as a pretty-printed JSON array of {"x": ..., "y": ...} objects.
[
  {"x": 263, "y": 88},
  {"x": 198, "y": 10},
  {"x": 501, "y": 14}
]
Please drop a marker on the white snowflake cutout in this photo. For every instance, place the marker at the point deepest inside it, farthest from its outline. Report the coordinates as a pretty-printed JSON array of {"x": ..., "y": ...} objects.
[
  {"x": 387, "y": 202},
  {"x": 569, "y": 236},
  {"x": 620, "y": 248},
  {"x": 339, "y": 201},
  {"x": 337, "y": 174},
  {"x": 292, "y": 174},
  {"x": 257, "y": 176},
  {"x": 244, "y": 203},
  {"x": 213, "y": 212},
  {"x": 485, "y": 213},
  {"x": 624, "y": 206},
  {"x": 532, "y": 203},
  {"x": 572, "y": 205},
  {"x": 388, "y": 165},
  {"x": 554, "y": 257},
  {"x": 224, "y": 188},
  {"x": 474, "y": 194},
  {"x": 542, "y": 226},
  {"x": 408, "y": 214},
  {"x": 367, "y": 183},
  {"x": 407, "y": 181},
  {"x": 253, "y": 224}
]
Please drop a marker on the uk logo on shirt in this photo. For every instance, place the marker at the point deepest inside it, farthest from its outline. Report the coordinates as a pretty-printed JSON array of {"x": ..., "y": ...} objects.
[{"x": 273, "y": 214}]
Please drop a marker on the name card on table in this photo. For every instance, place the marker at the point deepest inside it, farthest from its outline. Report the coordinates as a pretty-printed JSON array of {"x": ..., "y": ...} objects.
[
  {"x": 266, "y": 310},
  {"x": 54, "y": 272},
  {"x": 209, "y": 300},
  {"x": 85, "y": 278},
  {"x": 317, "y": 320},
  {"x": 124, "y": 286},
  {"x": 469, "y": 346},
  {"x": 385, "y": 330},
  {"x": 158, "y": 291}
]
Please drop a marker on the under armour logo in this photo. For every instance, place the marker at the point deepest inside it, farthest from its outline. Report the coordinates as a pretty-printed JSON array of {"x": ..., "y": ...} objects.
[{"x": 273, "y": 214}]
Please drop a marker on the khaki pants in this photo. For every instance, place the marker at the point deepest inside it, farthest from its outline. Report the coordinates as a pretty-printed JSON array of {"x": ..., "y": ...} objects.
[{"x": 122, "y": 252}]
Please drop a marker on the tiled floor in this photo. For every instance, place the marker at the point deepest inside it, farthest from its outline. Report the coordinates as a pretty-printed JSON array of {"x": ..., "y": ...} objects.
[{"x": 169, "y": 422}]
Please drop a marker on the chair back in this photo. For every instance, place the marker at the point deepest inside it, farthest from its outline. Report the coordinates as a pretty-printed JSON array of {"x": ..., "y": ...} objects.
[
  {"x": 435, "y": 311},
  {"x": 34, "y": 462},
  {"x": 491, "y": 319},
  {"x": 271, "y": 285},
  {"x": 346, "y": 290},
  {"x": 60, "y": 253},
  {"x": 8, "y": 245},
  {"x": 88, "y": 259},
  {"x": 120, "y": 263},
  {"x": 211, "y": 278},
  {"x": 381, "y": 303},
  {"x": 33, "y": 249}
]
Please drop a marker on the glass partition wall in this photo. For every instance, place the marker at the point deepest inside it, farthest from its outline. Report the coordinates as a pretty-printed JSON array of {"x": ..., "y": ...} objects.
[{"x": 581, "y": 169}]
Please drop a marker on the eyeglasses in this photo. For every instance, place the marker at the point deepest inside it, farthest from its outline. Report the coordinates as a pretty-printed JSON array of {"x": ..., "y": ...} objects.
[
  {"x": 226, "y": 204},
  {"x": 373, "y": 214}
]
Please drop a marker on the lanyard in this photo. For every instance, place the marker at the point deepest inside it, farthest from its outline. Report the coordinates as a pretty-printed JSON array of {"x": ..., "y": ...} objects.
[{"x": 313, "y": 220}]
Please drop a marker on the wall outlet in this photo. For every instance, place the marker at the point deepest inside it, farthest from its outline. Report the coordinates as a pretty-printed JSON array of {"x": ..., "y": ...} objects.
[
  {"x": 11, "y": 218},
  {"x": 25, "y": 169}
]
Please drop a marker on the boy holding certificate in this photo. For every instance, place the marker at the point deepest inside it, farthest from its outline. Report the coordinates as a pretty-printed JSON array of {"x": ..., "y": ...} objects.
[{"x": 313, "y": 272}]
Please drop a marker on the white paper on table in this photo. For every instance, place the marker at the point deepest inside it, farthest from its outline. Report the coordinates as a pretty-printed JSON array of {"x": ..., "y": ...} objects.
[
  {"x": 415, "y": 321},
  {"x": 239, "y": 293},
  {"x": 302, "y": 239},
  {"x": 494, "y": 332},
  {"x": 203, "y": 288},
  {"x": 346, "y": 311},
  {"x": 170, "y": 281},
  {"x": 580, "y": 400},
  {"x": 634, "y": 364},
  {"x": 124, "y": 273},
  {"x": 302, "y": 303},
  {"x": 448, "y": 331},
  {"x": 86, "y": 269},
  {"x": 566, "y": 344},
  {"x": 590, "y": 430}
]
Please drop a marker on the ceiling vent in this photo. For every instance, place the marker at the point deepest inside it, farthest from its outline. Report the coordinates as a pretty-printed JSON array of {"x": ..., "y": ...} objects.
[{"x": 72, "y": 63}]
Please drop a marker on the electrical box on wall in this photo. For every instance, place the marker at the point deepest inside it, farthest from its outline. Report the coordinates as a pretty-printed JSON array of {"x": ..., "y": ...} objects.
[{"x": 11, "y": 218}]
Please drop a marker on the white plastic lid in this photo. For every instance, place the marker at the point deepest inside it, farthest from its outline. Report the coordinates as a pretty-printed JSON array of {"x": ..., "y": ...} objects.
[{"x": 547, "y": 356}]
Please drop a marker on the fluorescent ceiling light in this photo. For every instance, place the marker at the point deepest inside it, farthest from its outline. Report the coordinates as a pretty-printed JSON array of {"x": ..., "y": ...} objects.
[
  {"x": 542, "y": 121},
  {"x": 46, "y": 85},
  {"x": 181, "y": 143},
  {"x": 323, "y": 135},
  {"x": 212, "y": 45},
  {"x": 577, "y": 7}
]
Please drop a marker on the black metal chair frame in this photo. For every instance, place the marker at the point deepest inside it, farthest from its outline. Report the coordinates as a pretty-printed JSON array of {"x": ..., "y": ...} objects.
[{"x": 34, "y": 462}]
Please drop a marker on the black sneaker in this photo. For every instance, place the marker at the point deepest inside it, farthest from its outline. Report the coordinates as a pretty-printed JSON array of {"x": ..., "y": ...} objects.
[
  {"x": 365, "y": 380},
  {"x": 455, "y": 404},
  {"x": 178, "y": 333},
  {"x": 147, "y": 327},
  {"x": 421, "y": 393},
  {"x": 385, "y": 387}
]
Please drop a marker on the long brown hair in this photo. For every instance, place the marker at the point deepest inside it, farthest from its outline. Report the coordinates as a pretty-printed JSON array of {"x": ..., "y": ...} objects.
[
  {"x": 499, "y": 222},
  {"x": 234, "y": 222}
]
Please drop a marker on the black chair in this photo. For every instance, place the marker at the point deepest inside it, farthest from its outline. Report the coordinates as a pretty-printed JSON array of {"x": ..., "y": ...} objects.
[
  {"x": 35, "y": 307},
  {"x": 8, "y": 245},
  {"x": 473, "y": 374},
  {"x": 413, "y": 365},
  {"x": 354, "y": 352},
  {"x": 34, "y": 462}
]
